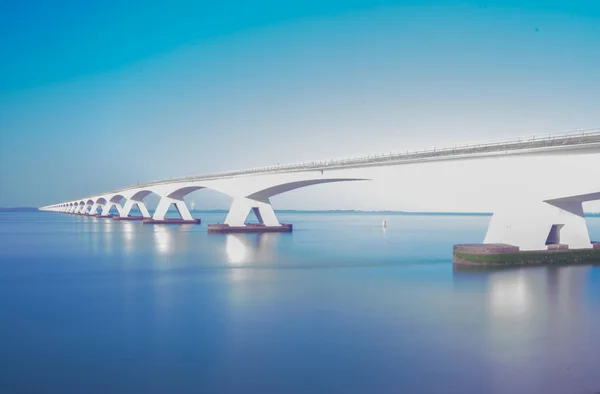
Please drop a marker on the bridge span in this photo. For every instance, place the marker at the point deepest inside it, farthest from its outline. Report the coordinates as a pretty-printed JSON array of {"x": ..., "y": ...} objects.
[{"x": 528, "y": 226}]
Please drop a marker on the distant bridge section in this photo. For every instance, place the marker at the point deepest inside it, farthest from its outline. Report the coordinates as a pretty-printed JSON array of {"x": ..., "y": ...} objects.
[{"x": 251, "y": 189}]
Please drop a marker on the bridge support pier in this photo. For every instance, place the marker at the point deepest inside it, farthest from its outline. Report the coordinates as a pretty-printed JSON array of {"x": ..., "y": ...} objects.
[
  {"x": 107, "y": 207},
  {"x": 535, "y": 225},
  {"x": 94, "y": 209},
  {"x": 163, "y": 206},
  {"x": 236, "y": 218},
  {"x": 84, "y": 210},
  {"x": 126, "y": 210}
]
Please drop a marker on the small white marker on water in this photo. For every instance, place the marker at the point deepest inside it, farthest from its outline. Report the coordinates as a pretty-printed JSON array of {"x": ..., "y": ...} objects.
[{"x": 384, "y": 224}]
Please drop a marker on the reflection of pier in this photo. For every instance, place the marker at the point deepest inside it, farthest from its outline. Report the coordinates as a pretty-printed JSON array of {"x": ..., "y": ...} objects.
[
  {"x": 246, "y": 248},
  {"x": 531, "y": 320},
  {"x": 128, "y": 231},
  {"x": 510, "y": 290},
  {"x": 162, "y": 239}
]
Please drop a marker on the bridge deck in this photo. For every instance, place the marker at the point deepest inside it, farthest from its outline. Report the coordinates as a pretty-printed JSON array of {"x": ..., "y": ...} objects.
[
  {"x": 552, "y": 142},
  {"x": 515, "y": 146}
]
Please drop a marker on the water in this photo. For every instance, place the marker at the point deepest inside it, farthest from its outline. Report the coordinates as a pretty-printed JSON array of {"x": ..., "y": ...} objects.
[{"x": 340, "y": 306}]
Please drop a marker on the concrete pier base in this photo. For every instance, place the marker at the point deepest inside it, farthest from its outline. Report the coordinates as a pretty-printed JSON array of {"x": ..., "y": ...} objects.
[
  {"x": 248, "y": 228},
  {"x": 485, "y": 255},
  {"x": 128, "y": 218},
  {"x": 99, "y": 215},
  {"x": 171, "y": 221}
]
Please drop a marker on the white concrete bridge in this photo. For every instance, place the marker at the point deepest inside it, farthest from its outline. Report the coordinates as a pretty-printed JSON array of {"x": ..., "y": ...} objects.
[{"x": 528, "y": 225}]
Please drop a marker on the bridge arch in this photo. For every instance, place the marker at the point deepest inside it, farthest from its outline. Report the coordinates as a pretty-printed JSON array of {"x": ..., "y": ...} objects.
[
  {"x": 259, "y": 201},
  {"x": 117, "y": 198},
  {"x": 86, "y": 205},
  {"x": 269, "y": 192},
  {"x": 132, "y": 198},
  {"x": 141, "y": 194},
  {"x": 184, "y": 191},
  {"x": 173, "y": 195},
  {"x": 99, "y": 202}
]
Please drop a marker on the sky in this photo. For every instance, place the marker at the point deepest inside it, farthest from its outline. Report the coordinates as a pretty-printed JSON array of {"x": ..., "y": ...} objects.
[{"x": 99, "y": 95}]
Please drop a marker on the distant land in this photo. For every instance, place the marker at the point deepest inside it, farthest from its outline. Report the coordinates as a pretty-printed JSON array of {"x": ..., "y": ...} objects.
[
  {"x": 332, "y": 211},
  {"x": 335, "y": 211},
  {"x": 352, "y": 211}
]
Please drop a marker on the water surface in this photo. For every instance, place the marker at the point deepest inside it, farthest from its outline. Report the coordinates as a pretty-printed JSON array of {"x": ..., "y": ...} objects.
[{"x": 341, "y": 305}]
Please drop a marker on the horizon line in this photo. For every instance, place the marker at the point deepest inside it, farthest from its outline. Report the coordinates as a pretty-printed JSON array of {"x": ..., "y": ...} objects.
[{"x": 224, "y": 210}]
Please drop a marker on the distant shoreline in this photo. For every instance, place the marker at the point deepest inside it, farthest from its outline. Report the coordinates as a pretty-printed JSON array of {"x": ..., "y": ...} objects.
[
  {"x": 350, "y": 211},
  {"x": 335, "y": 211},
  {"x": 332, "y": 211},
  {"x": 19, "y": 209}
]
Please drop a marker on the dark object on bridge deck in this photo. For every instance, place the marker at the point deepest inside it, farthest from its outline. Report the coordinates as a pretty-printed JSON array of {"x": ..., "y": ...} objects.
[
  {"x": 249, "y": 228},
  {"x": 170, "y": 221},
  {"x": 128, "y": 218},
  {"x": 485, "y": 255}
]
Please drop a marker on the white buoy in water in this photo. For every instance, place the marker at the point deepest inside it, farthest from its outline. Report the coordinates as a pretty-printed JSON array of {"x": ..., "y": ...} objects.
[{"x": 384, "y": 224}]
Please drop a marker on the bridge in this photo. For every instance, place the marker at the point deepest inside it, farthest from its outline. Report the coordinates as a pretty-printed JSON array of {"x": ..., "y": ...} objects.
[{"x": 252, "y": 189}]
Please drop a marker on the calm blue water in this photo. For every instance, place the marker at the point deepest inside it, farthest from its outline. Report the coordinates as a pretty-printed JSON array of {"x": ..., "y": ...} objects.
[{"x": 340, "y": 306}]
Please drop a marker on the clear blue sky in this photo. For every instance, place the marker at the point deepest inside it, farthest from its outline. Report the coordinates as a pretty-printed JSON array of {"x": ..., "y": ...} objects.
[{"x": 97, "y": 95}]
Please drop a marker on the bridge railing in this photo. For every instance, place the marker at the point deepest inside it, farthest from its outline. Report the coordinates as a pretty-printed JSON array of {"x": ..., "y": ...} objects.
[
  {"x": 515, "y": 143},
  {"x": 523, "y": 143}
]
